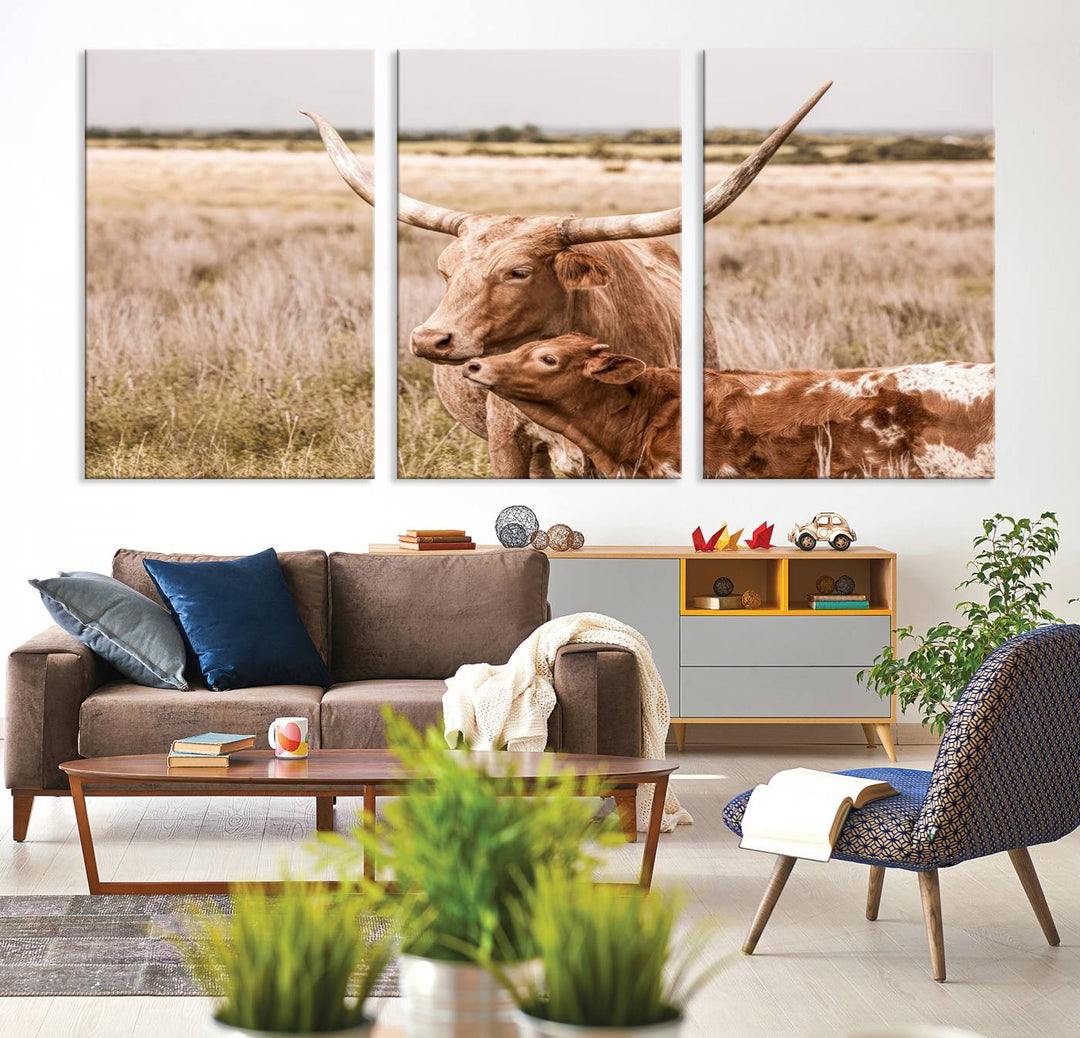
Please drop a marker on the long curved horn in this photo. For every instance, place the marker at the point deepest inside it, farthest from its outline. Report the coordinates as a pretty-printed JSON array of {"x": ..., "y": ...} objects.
[
  {"x": 359, "y": 178},
  {"x": 575, "y": 230}
]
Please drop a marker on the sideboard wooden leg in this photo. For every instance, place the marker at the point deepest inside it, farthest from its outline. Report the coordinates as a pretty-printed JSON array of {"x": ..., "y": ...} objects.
[
  {"x": 680, "y": 736},
  {"x": 22, "y": 804},
  {"x": 626, "y": 805},
  {"x": 884, "y": 732},
  {"x": 871, "y": 740}
]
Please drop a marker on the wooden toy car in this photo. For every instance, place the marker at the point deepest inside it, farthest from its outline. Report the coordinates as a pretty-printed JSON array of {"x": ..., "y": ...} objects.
[{"x": 825, "y": 526}]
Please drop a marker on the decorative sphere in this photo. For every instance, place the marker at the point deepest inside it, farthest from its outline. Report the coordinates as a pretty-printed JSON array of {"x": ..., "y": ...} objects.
[
  {"x": 751, "y": 599},
  {"x": 723, "y": 586},
  {"x": 825, "y": 585},
  {"x": 515, "y": 526},
  {"x": 577, "y": 542},
  {"x": 845, "y": 585},
  {"x": 539, "y": 540},
  {"x": 560, "y": 537}
]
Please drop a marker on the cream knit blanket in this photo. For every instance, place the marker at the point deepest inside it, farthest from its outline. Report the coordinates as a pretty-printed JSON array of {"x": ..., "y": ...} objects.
[{"x": 494, "y": 706}]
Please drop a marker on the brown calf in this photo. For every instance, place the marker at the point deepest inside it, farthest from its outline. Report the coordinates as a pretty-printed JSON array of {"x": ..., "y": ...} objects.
[{"x": 919, "y": 420}]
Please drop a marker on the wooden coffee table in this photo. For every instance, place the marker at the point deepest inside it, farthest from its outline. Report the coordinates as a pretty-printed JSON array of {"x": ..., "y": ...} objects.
[{"x": 327, "y": 774}]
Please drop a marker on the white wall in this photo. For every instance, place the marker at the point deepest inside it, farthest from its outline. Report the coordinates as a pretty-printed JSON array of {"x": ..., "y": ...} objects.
[{"x": 56, "y": 520}]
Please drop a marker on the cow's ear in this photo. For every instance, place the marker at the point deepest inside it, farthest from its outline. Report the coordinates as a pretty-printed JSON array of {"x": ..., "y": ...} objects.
[
  {"x": 614, "y": 367},
  {"x": 577, "y": 269}
]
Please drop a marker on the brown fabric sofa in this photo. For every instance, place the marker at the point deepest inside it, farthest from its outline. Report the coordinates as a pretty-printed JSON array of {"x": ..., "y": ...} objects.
[{"x": 391, "y": 629}]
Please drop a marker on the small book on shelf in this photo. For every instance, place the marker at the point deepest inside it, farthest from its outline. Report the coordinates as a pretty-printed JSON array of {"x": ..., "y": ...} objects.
[
  {"x": 817, "y": 602},
  {"x": 437, "y": 545},
  {"x": 453, "y": 534},
  {"x": 718, "y": 602},
  {"x": 801, "y": 811},
  {"x": 435, "y": 538},
  {"x": 212, "y": 744},
  {"x": 197, "y": 760},
  {"x": 837, "y": 598}
]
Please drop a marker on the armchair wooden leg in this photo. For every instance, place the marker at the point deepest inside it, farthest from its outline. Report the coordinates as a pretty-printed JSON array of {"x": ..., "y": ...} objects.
[
  {"x": 680, "y": 736},
  {"x": 871, "y": 739},
  {"x": 21, "y": 804},
  {"x": 931, "y": 906},
  {"x": 873, "y": 892},
  {"x": 1021, "y": 860},
  {"x": 781, "y": 871},
  {"x": 884, "y": 733},
  {"x": 626, "y": 805}
]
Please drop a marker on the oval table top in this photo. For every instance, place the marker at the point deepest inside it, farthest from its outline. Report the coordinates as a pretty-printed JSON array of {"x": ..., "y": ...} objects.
[{"x": 374, "y": 767}]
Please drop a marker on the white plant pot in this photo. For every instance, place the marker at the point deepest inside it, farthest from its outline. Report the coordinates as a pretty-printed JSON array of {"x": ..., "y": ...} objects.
[
  {"x": 359, "y": 1031},
  {"x": 452, "y": 1000},
  {"x": 534, "y": 1027}
]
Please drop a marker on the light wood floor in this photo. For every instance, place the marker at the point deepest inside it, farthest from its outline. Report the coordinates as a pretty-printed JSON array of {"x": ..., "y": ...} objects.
[{"x": 820, "y": 969}]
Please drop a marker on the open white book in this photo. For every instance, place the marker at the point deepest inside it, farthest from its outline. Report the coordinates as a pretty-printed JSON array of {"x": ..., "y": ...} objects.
[{"x": 801, "y": 812}]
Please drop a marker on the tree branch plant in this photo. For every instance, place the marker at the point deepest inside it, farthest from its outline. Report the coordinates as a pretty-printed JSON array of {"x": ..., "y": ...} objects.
[
  {"x": 294, "y": 962},
  {"x": 1007, "y": 598},
  {"x": 607, "y": 960}
]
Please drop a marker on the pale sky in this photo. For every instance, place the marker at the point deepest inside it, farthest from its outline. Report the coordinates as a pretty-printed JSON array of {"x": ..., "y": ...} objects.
[
  {"x": 571, "y": 89},
  {"x": 910, "y": 90},
  {"x": 222, "y": 89}
]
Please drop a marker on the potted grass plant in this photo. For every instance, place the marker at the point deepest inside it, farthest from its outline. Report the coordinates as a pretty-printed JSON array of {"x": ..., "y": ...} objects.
[
  {"x": 466, "y": 849},
  {"x": 607, "y": 965},
  {"x": 298, "y": 962}
]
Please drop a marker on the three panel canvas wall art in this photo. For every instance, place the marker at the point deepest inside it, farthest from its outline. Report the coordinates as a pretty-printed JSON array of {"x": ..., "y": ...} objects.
[{"x": 848, "y": 291}]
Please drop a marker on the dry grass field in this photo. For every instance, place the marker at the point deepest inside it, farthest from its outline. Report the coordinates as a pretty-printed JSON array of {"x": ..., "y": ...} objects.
[
  {"x": 228, "y": 315},
  {"x": 838, "y": 266}
]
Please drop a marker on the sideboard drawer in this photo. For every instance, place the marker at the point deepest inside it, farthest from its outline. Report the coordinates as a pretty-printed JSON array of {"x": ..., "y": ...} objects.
[
  {"x": 778, "y": 692},
  {"x": 782, "y": 641}
]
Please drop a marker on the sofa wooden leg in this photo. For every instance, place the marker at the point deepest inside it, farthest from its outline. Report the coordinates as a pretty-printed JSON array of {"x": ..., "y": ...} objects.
[
  {"x": 680, "y": 736},
  {"x": 324, "y": 814},
  {"x": 1025, "y": 869},
  {"x": 873, "y": 892},
  {"x": 781, "y": 871},
  {"x": 22, "y": 804},
  {"x": 931, "y": 905},
  {"x": 884, "y": 733},
  {"x": 626, "y": 806}
]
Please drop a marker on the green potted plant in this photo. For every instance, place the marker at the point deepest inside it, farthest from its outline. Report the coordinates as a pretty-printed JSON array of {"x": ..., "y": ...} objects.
[
  {"x": 465, "y": 849},
  {"x": 1010, "y": 557},
  {"x": 607, "y": 966},
  {"x": 296, "y": 962}
]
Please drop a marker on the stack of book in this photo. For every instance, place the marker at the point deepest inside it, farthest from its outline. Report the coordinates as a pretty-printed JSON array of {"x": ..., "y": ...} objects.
[
  {"x": 838, "y": 601},
  {"x": 209, "y": 750},
  {"x": 436, "y": 540}
]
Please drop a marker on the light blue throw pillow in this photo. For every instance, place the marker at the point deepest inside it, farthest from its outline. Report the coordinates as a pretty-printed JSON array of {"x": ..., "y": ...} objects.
[{"x": 136, "y": 635}]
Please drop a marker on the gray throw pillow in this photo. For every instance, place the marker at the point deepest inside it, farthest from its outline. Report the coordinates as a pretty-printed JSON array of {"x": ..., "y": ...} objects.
[{"x": 136, "y": 635}]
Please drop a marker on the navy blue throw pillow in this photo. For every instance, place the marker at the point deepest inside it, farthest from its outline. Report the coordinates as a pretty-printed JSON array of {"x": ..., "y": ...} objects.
[{"x": 240, "y": 621}]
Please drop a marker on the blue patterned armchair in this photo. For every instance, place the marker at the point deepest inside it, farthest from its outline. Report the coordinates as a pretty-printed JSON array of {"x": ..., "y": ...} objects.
[{"x": 1006, "y": 777}]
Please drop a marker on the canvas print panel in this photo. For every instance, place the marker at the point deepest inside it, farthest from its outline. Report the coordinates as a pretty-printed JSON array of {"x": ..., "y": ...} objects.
[
  {"x": 559, "y": 147},
  {"x": 852, "y": 286},
  {"x": 228, "y": 270}
]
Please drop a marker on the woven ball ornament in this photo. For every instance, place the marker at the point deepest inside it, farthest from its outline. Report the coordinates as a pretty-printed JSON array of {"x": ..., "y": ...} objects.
[
  {"x": 577, "y": 542},
  {"x": 723, "y": 586},
  {"x": 539, "y": 540},
  {"x": 515, "y": 526},
  {"x": 751, "y": 599},
  {"x": 560, "y": 537},
  {"x": 825, "y": 585},
  {"x": 845, "y": 585}
]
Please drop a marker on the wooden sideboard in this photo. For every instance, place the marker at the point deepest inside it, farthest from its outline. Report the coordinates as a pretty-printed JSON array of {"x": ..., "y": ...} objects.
[{"x": 781, "y": 663}]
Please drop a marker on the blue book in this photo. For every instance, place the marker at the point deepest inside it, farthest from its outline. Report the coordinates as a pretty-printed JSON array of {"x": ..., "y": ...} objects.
[{"x": 212, "y": 744}]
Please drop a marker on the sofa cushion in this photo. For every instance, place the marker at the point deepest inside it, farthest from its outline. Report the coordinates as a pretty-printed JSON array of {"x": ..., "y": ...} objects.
[
  {"x": 121, "y": 717},
  {"x": 304, "y": 571},
  {"x": 352, "y": 712},
  {"x": 403, "y": 616},
  {"x": 240, "y": 619}
]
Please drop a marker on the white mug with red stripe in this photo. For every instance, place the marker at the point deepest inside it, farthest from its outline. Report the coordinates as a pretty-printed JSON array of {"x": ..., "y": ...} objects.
[{"x": 288, "y": 737}]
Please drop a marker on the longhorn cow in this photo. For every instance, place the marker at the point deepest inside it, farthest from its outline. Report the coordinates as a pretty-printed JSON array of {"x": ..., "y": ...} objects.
[{"x": 515, "y": 279}]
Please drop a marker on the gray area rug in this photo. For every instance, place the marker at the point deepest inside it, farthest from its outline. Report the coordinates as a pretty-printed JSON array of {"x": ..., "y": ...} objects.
[{"x": 109, "y": 944}]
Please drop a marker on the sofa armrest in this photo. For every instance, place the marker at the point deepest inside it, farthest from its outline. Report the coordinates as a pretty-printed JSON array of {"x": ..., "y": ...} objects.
[
  {"x": 599, "y": 699},
  {"x": 47, "y": 680}
]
